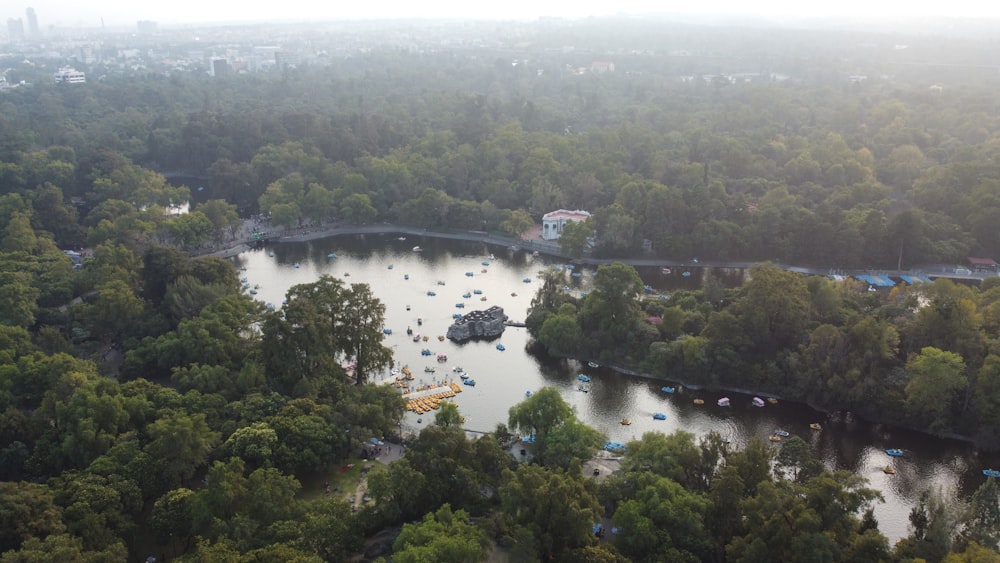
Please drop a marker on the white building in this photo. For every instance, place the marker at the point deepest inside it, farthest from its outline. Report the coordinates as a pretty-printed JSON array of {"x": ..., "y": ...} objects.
[
  {"x": 70, "y": 75},
  {"x": 553, "y": 222}
]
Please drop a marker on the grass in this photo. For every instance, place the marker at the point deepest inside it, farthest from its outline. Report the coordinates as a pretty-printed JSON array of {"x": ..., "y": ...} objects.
[{"x": 343, "y": 483}]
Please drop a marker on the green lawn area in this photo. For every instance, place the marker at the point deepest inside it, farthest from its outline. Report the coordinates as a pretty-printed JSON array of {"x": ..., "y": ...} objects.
[{"x": 342, "y": 478}]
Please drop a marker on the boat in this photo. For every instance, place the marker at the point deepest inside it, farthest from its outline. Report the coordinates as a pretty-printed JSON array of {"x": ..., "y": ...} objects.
[
  {"x": 492, "y": 257},
  {"x": 815, "y": 426},
  {"x": 389, "y": 267},
  {"x": 463, "y": 376},
  {"x": 426, "y": 352},
  {"x": 416, "y": 337},
  {"x": 417, "y": 249},
  {"x": 406, "y": 276},
  {"x": 407, "y": 307},
  {"x": 457, "y": 316},
  {"x": 992, "y": 473},
  {"x": 501, "y": 347},
  {"x": 513, "y": 294},
  {"x": 665, "y": 271},
  {"x": 782, "y": 433},
  {"x": 626, "y": 421},
  {"x": 659, "y": 416},
  {"x": 270, "y": 254},
  {"x": 594, "y": 364},
  {"x": 406, "y": 371},
  {"x": 253, "y": 292},
  {"x": 583, "y": 378},
  {"x": 420, "y": 321},
  {"x": 459, "y": 305},
  {"x": 441, "y": 339},
  {"x": 686, "y": 274},
  {"x": 469, "y": 274},
  {"x": 442, "y": 357},
  {"x": 614, "y": 447},
  {"x": 485, "y": 263},
  {"x": 457, "y": 369},
  {"x": 527, "y": 393},
  {"x": 483, "y": 298},
  {"x": 466, "y": 295},
  {"x": 723, "y": 402},
  {"x": 526, "y": 280},
  {"x": 668, "y": 390},
  {"x": 386, "y": 331},
  {"x": 757, "y": 402},
  {"x": 895, "y": 452},
  {"x": 889, "y": 470},
  {"x": 431, "y": 294},
  {"x": 772, "y": 401},
  {"x": 477, "y": 291},
  {"x": 699, "y": 401},
  {"x": 425, "y": 338},
  {"x": 774, "y": 438},
  {"x": 469, "y": 382},
  {"x": 430, "y": 369},
  {"x": 583, "y": 387}
]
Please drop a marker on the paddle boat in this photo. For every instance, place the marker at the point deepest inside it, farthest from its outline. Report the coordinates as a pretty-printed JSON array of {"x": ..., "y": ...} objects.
[
  {"x": 253, "y": 292},
  {"x": 699, "y": 401},
  {"x": 583, "y": 387},
  {"x": 389, "y": 267},
  {"x": 485, "y": 263},
  {"x": 492, "y": 257},
  {"x": 772, "y": 401},
  {"x": 626, "y": 421},
  {"x": 431, "y": 294},
  {"x": 457, "y": 316},
  {"x": 406, "y": 276},
  {"x": 441, "y": 339},
  {"x": 594, "y": 364},
  {"x": 991, "y": 473},
  {"x": 501, "y": 347},
  {"x": 440, "y": 282},
  {"x": 442, "y": 357},
  {"x": 889, "y": 470},
  {"x": 270, "y": 254},
  {"x": 331, "y": 255},
  {"x": 416, "y": 337},
  {"x": 527, "y": 393},
  {"x": 583, "y": 378},
  {"x": 426, "y": 352},
  {"x": 469, "y": 382},
  {"x": 430, "y": 369},
  {"x": 466, "y": 295},
  {"x": 417, "y": 249},
  {"x": 477, "y": 291},
  {"x": 457, "y": 369},
  {"x": 668, "y": 390},
  {"x": 782, "y": 433},
  {"x": 895, "y": 452},
  {"x": 659, "y": 416},
  {"x": 723, "y": 402},
  {"x": 757, "y": 402},
  {"x": 295, "y": 265},
  {"x": 774, "y": 438},
  {"x": 386, "y": 331},
  {"x": 815, "y": 426},
  {"x": 614, "y": 447},
  {"x": 463, "y": 376},
  {"x": 460, "y": 305},
  {"x": 469, "y": 274},
  {"x": 665, "y": 271},
  {"x": 526, "y": 280}
]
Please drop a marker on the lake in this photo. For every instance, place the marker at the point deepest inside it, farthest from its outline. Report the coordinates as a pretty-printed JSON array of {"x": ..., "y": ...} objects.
[{"x": 402, "y": 278}]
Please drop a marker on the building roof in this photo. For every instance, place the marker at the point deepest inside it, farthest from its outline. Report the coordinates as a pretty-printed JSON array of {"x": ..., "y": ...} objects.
[
  {"x": 566, "y": 214},
  {"x": 981, "y": 261}
]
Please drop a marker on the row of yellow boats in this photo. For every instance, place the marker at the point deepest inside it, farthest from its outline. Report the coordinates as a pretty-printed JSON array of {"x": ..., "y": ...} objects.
[{"x": 427, "y": 404}]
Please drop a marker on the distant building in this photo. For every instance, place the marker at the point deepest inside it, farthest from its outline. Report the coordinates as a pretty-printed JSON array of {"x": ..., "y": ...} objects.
[
  {"x": 219, "y": 67},
  {"x": 982, "y": 264},
  {"x": 602, "y": 66},
  {"x": 15, "y": 29},
  {"x": 33, "y": 31},
  {"x": 69, "y": 76},
  {"x": 553, "y": 222}
]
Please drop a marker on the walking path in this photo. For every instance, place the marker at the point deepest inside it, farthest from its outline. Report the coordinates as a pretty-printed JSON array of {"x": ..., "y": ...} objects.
[{"x": 243, "y": 243}]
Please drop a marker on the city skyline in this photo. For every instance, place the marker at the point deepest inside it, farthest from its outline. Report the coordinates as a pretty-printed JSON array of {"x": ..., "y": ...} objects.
[{"x": 117, "y": 13}]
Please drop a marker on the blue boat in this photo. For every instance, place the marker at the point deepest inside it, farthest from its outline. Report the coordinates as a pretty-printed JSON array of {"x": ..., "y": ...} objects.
[
  {"x": 669, "y": 390},
  {"x": 991, "y": 473},
  {"x": 895, "y": 452},
  {"x": 526, "y": 280},
  {"x": 431, "y": 294},
  {"x": 477, "y": 291},
  {"x": 426, "y": 352},
  {"x": 460, "y": 305},
  {"x": 331, "y": 255},
  {"x": 295, "y": 265},
  {"x": 576, "y": 275},
  {"x": 686, "y": 274},
  {"x": 485, "y": 263},
  {"x": 659, "y": 416},
  {"x": 469, "y": 382},
  {"x": 782, "y": 433},
  {"x": 387, "y": 331},
  {"x": 614, "y": 447},
  {"x": 389, "y": 267},
  {"x": 253, "y": 292},
  {"x": 527, "y": 393},
  {"x": 501, "y": 347},
  {"x": 469, "y": 274},
  {"x": 270, "y": 254},
  {"x": 457, "y": 316},
  {"x": 466, "y": 295},
  {"x": 583, "y": 378},
  {"x": 406, "y": 276}
]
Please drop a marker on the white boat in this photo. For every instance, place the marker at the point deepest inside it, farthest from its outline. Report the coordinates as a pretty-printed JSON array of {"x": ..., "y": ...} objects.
[
  {"x": 417, "y": 249},
  {"x": 723, "y": 402},
  {"x": 757, "y": 402}
]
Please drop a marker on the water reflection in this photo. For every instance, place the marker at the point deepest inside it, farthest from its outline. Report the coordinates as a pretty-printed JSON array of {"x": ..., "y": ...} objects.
[{"x": 503, "y": 377}]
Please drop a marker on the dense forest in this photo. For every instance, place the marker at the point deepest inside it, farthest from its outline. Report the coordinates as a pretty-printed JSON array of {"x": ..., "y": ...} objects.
[{"x": 149, "y": 406}]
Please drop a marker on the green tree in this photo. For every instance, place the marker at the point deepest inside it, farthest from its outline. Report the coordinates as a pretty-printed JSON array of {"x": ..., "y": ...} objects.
[
  {"x": 518, "y": 223},
  {"x": 663, "y": 521},
  {"x": 183, "y": 442},
  {"x": 448, "y": 415},
  {"x": 937, "y": 381},
  {"x": 443, "y": 536},
  {"x": 547, "y": 512},
  {"x": 575, "y": 238},
  {"x": 27, "y": 510}
]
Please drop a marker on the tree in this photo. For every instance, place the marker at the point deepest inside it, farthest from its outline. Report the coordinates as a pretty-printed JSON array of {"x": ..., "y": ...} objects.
[
  {"x": 27, "y": 510},
  {"x": 518, "y": 223},
  {"x": 357, "y": 209},
  {"x": 448, "y": 415},
  {"x": 561, "y": 336},
  {"x": 663, "y": 521},
  {"x": 547, "y": 512},
  {"x": 937, "y": 379},
  {"x": 443, "y": 536},
  {"x": 575, "y": 238},
  {"x": 183, "y": 442},
  {"x": 362, "y": 332}
]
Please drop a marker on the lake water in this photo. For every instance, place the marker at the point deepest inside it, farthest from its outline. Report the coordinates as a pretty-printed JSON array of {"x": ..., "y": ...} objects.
[{"x": 503, "y": 377}]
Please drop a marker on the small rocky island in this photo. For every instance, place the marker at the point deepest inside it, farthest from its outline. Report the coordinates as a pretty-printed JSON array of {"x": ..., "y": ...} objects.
[{"x": 478, "y": 324}]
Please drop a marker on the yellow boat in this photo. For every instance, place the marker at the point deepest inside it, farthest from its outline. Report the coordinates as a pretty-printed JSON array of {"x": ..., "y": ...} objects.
[
  {"x": 626, "y": 421},
  {"x": 406, "y": 371},
  {"x": 889, "y": 470},
  {"x": 774, "y": 438},
  {"x": 815, "y": 426},
  {"x": 772, "y": 400},
  {"x": 699, "y": 401},
  {"x": 440, "y": 339}
]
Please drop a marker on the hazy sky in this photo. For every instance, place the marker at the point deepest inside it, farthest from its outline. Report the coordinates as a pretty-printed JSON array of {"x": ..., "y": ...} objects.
[{"x": 127, "y": 12}]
